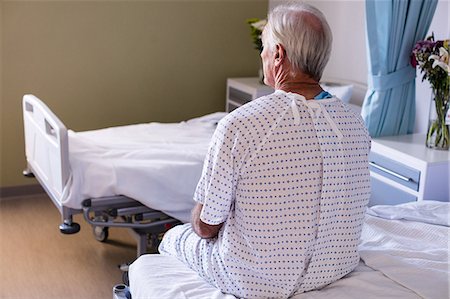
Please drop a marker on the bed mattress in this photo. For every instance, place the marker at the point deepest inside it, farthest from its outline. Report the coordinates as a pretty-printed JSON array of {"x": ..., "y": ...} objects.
[
  {"x": 158, "y": 164},
  {"x": 404, "y": 254},
  {"x": 150, "y": 279}
]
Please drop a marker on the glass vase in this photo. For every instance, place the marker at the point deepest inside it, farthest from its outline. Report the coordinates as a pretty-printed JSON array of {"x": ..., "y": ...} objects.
[{"x": 439, "y": 121}]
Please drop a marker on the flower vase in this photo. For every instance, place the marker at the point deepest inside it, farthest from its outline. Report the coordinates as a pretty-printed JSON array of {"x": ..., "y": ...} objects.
[{"x": 438, "y": 136}]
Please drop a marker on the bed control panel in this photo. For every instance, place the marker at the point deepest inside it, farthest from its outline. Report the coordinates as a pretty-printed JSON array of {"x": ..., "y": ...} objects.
[{"x": 403, "y": 169}]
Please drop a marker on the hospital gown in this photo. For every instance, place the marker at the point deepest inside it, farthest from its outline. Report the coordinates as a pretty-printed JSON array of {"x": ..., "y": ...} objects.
[{"x": 290, "y": 180}]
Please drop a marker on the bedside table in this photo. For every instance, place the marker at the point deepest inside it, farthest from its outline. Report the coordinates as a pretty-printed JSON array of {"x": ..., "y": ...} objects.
[
  {"x": 403, "y": 169},
  {"x": 244, "y": 90}
]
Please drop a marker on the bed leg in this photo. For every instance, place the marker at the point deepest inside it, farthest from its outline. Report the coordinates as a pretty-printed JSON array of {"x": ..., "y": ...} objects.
[
  {"x": 141, "y": 244},
  {"x": 68, "y": 227},
  {"x": 28, "y": 173}
]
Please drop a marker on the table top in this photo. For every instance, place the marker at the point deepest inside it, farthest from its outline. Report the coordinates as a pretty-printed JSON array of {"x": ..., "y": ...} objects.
[{"x": 412, "y": 145}]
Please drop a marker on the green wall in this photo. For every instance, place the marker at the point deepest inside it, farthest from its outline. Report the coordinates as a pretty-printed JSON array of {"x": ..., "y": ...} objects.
[{"x": 107, "y": 63}]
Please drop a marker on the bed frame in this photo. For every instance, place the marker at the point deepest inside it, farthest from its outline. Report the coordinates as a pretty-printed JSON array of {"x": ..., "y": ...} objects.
[{"x": 47, "y": 154}]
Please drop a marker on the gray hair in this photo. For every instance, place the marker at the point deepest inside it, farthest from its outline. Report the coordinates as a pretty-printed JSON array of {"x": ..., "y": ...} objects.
[{"x": 305, "y": 34}]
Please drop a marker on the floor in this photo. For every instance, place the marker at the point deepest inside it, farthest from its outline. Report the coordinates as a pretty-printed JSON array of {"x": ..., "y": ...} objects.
[{"x": 37, "y": 261}]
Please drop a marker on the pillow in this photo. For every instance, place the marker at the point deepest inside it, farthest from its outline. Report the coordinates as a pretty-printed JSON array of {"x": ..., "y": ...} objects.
[
  {"x": 341, "y": 91},
  {"x": 213, "y": 118}
]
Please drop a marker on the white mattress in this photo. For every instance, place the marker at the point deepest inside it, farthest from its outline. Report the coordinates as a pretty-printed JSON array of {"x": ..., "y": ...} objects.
[
  {"x": 394, "y": 254},
  {"x": 156, "y": 276},
  {"x": 157, "y": 164}
]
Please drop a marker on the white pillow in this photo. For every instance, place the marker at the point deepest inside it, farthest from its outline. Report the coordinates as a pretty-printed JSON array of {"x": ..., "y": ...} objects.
[{"x": 341, "y": 91}]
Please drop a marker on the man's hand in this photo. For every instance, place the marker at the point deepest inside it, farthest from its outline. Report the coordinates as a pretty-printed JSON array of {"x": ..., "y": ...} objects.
[{"x": 205, "y": 231}]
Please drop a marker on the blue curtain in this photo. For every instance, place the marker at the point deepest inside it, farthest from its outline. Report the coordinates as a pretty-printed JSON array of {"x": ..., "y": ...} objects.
[{"x": 393, "y": 27}]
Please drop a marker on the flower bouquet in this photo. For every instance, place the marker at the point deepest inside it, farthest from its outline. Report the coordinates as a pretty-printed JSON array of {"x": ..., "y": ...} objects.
[
  {"x": 432, "y": 57},
  {"x": 257, "y": 27}
]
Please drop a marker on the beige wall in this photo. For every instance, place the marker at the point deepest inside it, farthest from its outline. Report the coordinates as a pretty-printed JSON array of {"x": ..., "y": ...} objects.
[
  {"x": 1, "y": 92},
  {"x": 107, "y": 63}
]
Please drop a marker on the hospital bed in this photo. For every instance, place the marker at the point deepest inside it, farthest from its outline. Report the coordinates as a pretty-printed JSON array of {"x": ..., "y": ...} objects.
[
  {"x": 404, "y": 253},
  {"x": 139, "y": 176}
]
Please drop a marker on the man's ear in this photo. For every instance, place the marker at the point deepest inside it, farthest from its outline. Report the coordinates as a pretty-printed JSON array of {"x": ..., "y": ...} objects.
[{"x": 280, "y": 54}]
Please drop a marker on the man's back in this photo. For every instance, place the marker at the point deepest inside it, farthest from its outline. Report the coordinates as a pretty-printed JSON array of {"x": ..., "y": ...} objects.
[{"x": 289, "y": 178}]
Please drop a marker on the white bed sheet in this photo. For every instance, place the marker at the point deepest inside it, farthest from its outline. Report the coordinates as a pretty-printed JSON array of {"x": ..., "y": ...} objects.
[
  {"x": 155, "y": 276},
  {"x": 400, "y": 259},
  {"x": 413, "y": 253},
  {"x": 157, "y": 164}
]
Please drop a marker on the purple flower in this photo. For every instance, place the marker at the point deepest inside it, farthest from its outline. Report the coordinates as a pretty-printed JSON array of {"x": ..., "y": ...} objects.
[
  {"x": 420, "y": 57},
  {"x": 413, "y": 60}
]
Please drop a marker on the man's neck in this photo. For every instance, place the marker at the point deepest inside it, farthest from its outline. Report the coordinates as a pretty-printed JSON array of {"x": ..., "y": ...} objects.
[{"x": 301, "y": 84}]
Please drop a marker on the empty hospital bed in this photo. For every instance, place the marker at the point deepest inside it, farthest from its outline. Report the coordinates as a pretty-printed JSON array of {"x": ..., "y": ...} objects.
[{"x": 139, "y": 176}]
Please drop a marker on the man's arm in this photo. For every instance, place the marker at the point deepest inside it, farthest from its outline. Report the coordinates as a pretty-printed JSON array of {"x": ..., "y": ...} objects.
[{"x": 205, "y": 231}]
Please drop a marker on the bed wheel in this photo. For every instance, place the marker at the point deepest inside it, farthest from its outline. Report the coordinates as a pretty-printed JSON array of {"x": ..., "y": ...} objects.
[
  {"x": 101, "y": 233},
  {"x": 69, "y": 229}
]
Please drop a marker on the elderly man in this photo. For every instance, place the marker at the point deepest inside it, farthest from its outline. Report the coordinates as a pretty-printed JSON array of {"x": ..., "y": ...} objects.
[{"x": 281, "y": 200}]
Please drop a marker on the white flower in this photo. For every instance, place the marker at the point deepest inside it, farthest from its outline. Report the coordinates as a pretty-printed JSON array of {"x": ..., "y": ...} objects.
[
  {"x": 444, "y": 54},
  {"x": 260, "y": 24},
  {"x": 442, "y": 60}
]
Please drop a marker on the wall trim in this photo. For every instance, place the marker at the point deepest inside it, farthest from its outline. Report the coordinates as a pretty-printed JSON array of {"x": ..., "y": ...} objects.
[{"x": 22, "y": 190}]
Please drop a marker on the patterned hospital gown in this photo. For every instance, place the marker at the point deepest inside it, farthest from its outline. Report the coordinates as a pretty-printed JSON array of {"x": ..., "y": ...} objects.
[{"x": 290, "y": 179}]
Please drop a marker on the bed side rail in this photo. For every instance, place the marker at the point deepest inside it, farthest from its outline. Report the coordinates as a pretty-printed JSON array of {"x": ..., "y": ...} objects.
[{"x": 46, "y": 145}]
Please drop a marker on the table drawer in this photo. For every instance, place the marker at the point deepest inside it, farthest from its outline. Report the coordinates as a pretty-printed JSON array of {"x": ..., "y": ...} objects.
[
  {"x": 239, "y": 96},
  {"x": 231, "y": 106},
  {"x": 395, "y": 171},
  {"x": 385, "y": 194}
]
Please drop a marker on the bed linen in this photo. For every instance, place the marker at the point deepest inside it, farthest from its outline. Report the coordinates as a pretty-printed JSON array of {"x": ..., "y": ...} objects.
[
  {"x": 400, "y": 258},
  {"x": 158, "y": 164},
  {"x": 164, "y": 277},
  {"x": 409, "y": 243}
]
